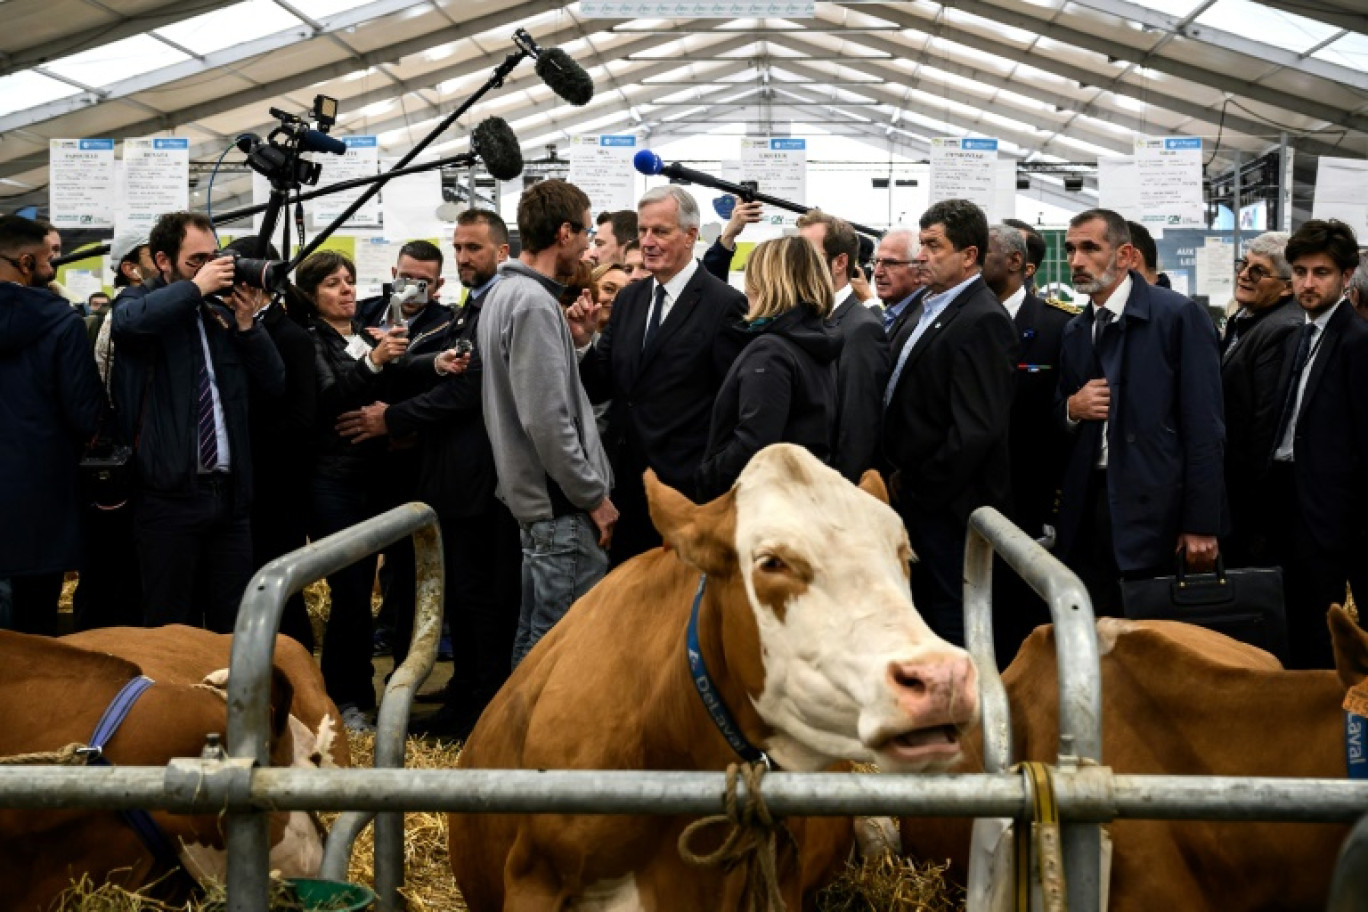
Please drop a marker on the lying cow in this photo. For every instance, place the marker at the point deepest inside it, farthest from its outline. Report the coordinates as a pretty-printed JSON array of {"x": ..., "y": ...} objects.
[
  {"x": 54, "y": 693},
  {"x": 809, "y": 635},
  {"x": 1181, "y": 700}
]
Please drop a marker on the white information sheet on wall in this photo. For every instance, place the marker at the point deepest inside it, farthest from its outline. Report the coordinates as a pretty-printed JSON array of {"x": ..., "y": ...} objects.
[
  {"x": 410, "y": 205},
  {"x": 779, "y": 165},
  {"x": 601, "y": 166},
  {"x": 1169, "y": 173},
  {"x": 362, "y": 160},
  {"x": 81, "y": 183},
  {"x": 1118, "y": 186},
  {"x": 154, "y": 179},
  {"x": 375, "y": 258},
  {"x": 1215, "y": 270},
  {"x": 1342, "y": 193},
  {"x": 965, "y": 169}
]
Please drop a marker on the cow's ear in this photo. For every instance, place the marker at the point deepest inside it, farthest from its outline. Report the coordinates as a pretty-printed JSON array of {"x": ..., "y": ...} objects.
[
  {"x": 703, "y": 535},
  {"x": 872, "y": 483},
  {"x": 1351, "y": 646}
]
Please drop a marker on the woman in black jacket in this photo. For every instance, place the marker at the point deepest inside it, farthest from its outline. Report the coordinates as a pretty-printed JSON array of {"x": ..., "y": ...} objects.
[
  {"x": 350, "y": 364},
  {"x": 782, "y": 387}
]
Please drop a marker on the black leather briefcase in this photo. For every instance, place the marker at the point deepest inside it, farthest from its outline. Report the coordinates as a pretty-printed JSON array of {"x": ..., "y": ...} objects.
[{"x": 1245, "y": 604}]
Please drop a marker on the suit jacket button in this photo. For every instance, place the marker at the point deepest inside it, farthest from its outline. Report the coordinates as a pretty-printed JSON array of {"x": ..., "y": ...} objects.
[{"x": 1130, "y": 438}]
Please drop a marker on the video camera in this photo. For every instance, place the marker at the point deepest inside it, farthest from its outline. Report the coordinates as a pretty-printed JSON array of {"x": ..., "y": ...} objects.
[{"x": 278, "y": 157}]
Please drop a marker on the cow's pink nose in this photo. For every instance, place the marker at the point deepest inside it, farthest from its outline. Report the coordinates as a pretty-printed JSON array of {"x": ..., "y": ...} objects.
[{"x": 940, "y": 690}]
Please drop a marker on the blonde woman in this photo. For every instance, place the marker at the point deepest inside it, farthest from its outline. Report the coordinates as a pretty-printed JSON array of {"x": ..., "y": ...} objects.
[{"x": 782, "y": 387}]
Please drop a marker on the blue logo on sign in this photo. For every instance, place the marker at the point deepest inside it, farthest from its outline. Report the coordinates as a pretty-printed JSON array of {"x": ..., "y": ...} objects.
[
  {"x": 359, "y": 142},
  {"x": 788, "y": 144},
  {"x": 617, "y": 140},
  {"x": 1187, "y": 142},
  {"x": 97, "y": 144},
  {"x": 174, "y": 143},
  {"x": 979, "y": 145}
]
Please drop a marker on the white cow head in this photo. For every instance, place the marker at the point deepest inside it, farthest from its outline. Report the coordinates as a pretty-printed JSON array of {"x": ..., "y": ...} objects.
[{"x": 837, "y": 661}]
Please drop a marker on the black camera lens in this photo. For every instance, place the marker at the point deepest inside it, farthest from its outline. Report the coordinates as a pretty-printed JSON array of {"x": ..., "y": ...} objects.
[{"x": 254, "y": 273}]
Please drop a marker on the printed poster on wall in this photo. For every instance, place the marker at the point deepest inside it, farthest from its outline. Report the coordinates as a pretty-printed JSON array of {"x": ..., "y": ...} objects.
[
  {"x": 362, "y": 160},
  {"x": 154, "y": 180},
  {"x": 1169, "y": 172},
  {"x": 965, "y": 168},
  {"x": 601, "y": 166},
  {"x": 1342, "y": 192},
  {"x": 81, "y": 183},
  {"x": 779, "y": 165}
]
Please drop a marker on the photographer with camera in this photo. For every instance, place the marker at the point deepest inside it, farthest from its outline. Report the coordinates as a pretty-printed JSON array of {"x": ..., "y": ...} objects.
[
  {"x": 188, "y": 351},
  {"x": 51, "y": 405}
]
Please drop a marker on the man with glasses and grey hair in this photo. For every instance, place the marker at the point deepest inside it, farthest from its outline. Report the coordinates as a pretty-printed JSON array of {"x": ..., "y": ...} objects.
[
  {"x": 898, "y": 282},
  {"x": 1252, "y": 352},
  {"x": 1357, "y": 292},
  {"x": 660, "y": 359}
]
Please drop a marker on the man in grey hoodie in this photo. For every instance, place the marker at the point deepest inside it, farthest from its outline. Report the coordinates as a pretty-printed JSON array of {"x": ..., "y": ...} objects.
[{"x": 553, "y": 471}]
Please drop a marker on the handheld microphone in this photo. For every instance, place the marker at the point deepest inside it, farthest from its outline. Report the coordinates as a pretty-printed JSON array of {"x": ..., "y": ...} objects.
[
  {"x": 494, "y": 141},
  {"x": 318, "y": 141},
  {"x": 561, "y": 74},
  {"x": 650, "y": 164}
]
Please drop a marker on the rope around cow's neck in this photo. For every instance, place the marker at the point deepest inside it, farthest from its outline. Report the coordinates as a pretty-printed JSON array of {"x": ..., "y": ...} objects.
[
  {"x": 71, "y": 755},
  {"x": 753, "y": 840}
]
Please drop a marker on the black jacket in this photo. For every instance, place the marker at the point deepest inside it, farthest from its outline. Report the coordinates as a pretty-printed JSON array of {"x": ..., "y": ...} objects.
[
  {"x": 1251, "y": 365},
  {"x": 946, "y": 425},
  {"x": 1039, "y": 446},
  {"x": 344, "y": 385},
  {"x": 781, "y": 389},
  {"x": 455, "y": 462},
  {"x": 283, "y": 426},
  {"x": 861, "y": 375},
  {"x": 663, "y": 396},
  {"x": 49, "y": 407},
  {"x": 155, "y": 334}
]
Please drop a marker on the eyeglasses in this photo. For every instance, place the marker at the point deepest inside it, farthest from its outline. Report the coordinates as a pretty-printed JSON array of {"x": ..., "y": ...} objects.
[
  {"x": 888, "y": 263},
  {"x": 1256, "y": 273}
]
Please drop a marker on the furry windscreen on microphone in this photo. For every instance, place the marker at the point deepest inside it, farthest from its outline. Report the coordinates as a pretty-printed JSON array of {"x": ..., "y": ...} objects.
[
  {"x": 565, "y": 77},
  {"x": 497, "y": 145}
]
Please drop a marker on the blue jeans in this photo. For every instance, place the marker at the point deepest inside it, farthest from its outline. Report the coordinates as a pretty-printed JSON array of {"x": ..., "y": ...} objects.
[{"x": 562, "y": 560}]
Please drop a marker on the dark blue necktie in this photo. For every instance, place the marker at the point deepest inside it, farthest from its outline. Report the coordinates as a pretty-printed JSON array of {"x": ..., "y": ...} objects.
[
  {"x": 1308, "y": 332},
  {"x": 208, "y": 435},
  {"x": 653, "y": 322}
]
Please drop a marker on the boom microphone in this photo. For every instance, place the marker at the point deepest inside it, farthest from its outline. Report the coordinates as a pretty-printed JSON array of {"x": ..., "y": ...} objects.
[
  {"x": 561, "y": 74},
  {"x": 649, "y": 163},
  {"x": 318, "y": 141},
  {"x": 494, "y": 141}
]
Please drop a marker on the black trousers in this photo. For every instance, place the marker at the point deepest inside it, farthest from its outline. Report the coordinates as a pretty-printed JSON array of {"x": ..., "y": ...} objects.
[
  {"x": 1313, "y": 578},
  {"x": 110, "y": 591},
  {"x": 195, "y": 552},
  {"x": 634, "y": 533},
  {"x": 938, "y": 574},
  {"x": 33, "y": 603},
  {"x": 1094, "y": 552}
]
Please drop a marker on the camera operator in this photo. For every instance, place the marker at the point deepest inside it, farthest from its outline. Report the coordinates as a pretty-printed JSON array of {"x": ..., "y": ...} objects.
[{"x": 186, "y": 359}]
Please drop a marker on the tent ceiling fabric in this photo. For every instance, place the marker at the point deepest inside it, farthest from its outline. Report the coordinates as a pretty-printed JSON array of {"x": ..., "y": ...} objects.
[{"x": 1056, "y": 80}]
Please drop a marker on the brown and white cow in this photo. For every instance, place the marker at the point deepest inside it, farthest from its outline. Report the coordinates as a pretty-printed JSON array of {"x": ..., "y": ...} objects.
[
  {"x": 1181, "y": 700},
  {"x": 52, "y": 693},
  {"x": 809, "y": 634}
]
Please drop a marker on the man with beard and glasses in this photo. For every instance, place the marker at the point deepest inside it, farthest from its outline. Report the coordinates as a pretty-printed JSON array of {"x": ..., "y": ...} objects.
[
  {"x": 50, "y": 407},
  {"x": 1140, "y": 393},
  {"x": 1318, "y": 480}
]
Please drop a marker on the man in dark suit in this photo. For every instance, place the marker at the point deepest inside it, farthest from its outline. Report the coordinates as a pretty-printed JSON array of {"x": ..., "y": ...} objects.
[
  {"x": 1038, "y": 444},
  {"x": 1252, "y": 354},
  {"x": 660, "y": 359},
  {"x": 1145, "y": 473},
  {"x": 897, "y": 282},
  {"x": 862, "y": 367},
  {"x": 947, "y": 409},
  {"x": 1318, "y": 482}
]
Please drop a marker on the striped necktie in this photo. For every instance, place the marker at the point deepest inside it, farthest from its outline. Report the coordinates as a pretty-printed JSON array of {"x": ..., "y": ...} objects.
[{"x": 208, "y": 434}]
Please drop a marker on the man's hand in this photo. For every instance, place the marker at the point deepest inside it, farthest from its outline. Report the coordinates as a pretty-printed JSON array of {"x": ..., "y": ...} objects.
[
  {"x": 363, "y": 424},
  {"x": 391, "y": 344},
  {"x": 245, "y": 302},
  {"x": 742, "y": 215},
  {"x": 860, "y": 285},
  {"x": 1090, "y": 403},
  {"x": 451, "y": 361},
  {"x": 215, "y": 276},
  {"x": 605, "y": 516},
  {"x": 583, "y": 318},
  {"x": 1201, "y": 550}
]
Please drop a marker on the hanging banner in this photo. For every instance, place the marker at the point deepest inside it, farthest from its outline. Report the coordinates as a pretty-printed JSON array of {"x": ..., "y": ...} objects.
[
  {"x": 601, "y": 166},
  {"x": 362, "y": 160},
  {"x": 965, "y": 169},
  {"x": 154, "y": 180},
  {"x": 1169, "y": 173},
  {"x": 1342, "y": 193},
  {"x": 778, "y": 164},
  {"x": 81, "y": 183}
]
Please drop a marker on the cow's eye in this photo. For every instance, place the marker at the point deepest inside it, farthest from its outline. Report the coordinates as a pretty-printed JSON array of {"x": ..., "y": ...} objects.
[{"x": 771, "y": 564}]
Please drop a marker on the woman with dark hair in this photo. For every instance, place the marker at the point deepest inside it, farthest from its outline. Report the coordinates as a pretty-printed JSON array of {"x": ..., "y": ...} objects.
[
  {"x": 782, "y": 387},
  {"x": 350, "y": 365}
]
